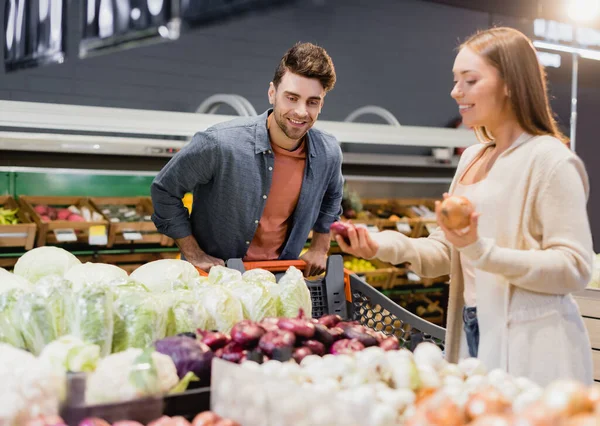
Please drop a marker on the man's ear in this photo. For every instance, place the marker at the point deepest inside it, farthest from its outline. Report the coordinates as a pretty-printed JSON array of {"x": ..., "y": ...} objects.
[{"x": 271, "y": 93}]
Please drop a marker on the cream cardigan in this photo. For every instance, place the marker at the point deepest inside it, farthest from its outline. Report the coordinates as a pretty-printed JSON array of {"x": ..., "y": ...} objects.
[{"x": 534, "y": 250}]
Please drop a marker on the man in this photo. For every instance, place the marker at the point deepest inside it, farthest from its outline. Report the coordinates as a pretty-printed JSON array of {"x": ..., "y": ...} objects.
[{"x": 260, "y": 184}]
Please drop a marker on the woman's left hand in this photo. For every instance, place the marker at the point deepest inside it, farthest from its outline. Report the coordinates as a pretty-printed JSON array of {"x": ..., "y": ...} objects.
[{"x": 459, "y": 237}]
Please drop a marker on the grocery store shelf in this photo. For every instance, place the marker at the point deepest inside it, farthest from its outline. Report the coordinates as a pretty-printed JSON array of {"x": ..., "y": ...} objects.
[
  {"x": 86, "y": 172},
  {"x": 396, "y": 160},
  {"x": 111, "y": 128},
  {"x": 395, "y": 179}
]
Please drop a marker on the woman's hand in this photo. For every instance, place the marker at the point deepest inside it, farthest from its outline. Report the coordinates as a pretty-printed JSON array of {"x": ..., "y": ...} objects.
[
  {"x": 459, "y": 238},
  {"x": 361, "y": 245}
]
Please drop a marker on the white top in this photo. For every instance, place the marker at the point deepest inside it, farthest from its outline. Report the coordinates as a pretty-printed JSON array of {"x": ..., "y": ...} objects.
[{"x": 472, "y": 193}]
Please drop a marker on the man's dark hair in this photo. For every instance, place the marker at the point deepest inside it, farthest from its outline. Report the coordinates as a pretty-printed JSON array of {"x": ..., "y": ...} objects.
[{"x": 307, "y": 60}]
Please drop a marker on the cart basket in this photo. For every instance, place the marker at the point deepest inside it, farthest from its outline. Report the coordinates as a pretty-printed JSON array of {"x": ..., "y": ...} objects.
[{"x": 341, "y": 292}]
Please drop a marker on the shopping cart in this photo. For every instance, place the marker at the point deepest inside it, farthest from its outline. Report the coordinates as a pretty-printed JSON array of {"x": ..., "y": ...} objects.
[{"x": 341, "y": 292}]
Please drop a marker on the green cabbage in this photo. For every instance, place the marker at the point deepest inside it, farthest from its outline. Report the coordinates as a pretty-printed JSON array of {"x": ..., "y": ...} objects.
[
  {"x": 9, "y": 281},
  {"x": 294, "y": 294},
  {"x": 69, "y": 353},
  {"x": 219, "y": 275},
  {"x": 10, "y": 331},
  {"x": 140, "y": 317},
  {"x": 91, "y": 315},
  {"x": 43, "y": 261},
  {"x": 223, "y": 308},
  {"x": 186, "y": 313},
  {"x": 33, "y": 317},
  {"x": 260, "y": 275},
  {"x": 94, "y": 273},
  {"x": 257, "y": 301},
  {"x": 58, "y": 293},
  {"x": 165, "y": 275}
]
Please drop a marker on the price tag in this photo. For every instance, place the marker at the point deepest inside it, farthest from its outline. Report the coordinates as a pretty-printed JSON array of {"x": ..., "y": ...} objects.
[
  {"x": 403, "y": 227},
  {"x": 97, "y": 235},
  {"x": 412, "y": 276},
  {"x": 132, "y": 235},
  {"x": 431, "y": 227},
  {"x": 65, "y": 235}
]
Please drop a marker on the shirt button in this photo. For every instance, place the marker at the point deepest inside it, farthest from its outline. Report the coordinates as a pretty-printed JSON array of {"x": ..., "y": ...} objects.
[
  {"x": 269, "y": 151},
  {"x": 256, "y": 221},
  {"x": 270, "y": 168},
  {"x": 247, "y": 242},
  {"x": 264, "y": 152},
  {"x": 264, "y": 197}
]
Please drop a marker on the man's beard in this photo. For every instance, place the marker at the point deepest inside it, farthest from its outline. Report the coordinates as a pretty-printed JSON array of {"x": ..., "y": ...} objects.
[{"x": 288, "y": 130}]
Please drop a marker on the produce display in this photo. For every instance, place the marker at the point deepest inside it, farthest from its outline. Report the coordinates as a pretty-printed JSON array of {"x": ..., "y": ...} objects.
[
  {"x": 359, "y": 265},
  {"x": 70, "y": 214},
  {"x": 206, "y": 418},
  {"x": 378, "y": 387},
  {"x": 117, "y": 213},
  {"x": 51, "y": 294},
  {"x": 162, "y": 330},
  {"x": 8, "y": 216}
]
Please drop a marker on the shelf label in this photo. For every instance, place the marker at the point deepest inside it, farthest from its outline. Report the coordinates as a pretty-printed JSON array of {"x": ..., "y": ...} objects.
[
  {"x": 132, "y": 235},
  {"x": 65, "y": 235},
  {"x": 431, "y": 227},
  {"x": 97, "y": 235},
  {"x": 403, "y": 227}
]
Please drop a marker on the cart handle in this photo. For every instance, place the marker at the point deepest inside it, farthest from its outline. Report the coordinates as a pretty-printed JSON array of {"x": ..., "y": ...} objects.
[{"x": 275, "y": 265}]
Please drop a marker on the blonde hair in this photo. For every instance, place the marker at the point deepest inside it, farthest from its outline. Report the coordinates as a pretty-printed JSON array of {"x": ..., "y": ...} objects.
[{"x": 513, "y": 55}]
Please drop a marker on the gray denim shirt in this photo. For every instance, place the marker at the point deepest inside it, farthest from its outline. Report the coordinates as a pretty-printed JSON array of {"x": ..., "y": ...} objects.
[{"x": 228, "y": 168}]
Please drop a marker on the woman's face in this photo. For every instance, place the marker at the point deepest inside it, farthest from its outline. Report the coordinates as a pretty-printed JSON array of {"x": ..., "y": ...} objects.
[{"x": 479, "y": 90}]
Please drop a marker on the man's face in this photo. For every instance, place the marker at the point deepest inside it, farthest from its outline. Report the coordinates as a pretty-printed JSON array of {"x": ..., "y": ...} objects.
[{"x": 297, "y": 102}]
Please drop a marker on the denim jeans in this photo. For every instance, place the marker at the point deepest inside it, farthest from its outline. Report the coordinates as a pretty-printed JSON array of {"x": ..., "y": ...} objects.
[{"x": 471, "y": 329}]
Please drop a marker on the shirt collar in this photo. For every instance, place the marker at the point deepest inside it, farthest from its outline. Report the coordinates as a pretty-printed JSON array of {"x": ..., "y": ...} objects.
[{"x": 262, "y": 143}]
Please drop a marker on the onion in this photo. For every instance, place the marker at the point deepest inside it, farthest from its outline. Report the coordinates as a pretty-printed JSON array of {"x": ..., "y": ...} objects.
[
  {"x": 437, "y": 410},
  {"x": 537, "y": 414},
  {"x": 472, "y": 367},
  {"x": 206, "y": 418},
  {"x": 492, "y": 420},
  {"x": 427, "y": 353},
  {"x": 127, "y": 423},
  {"x": 455, "y": 212},
  {"x": 163, "y": 421},
  {"x": 93, "y": 421},
  {"x": 487, "y": 401},
  {"x": 583, "y": 420},
  {"x": 567, "y": 398}
]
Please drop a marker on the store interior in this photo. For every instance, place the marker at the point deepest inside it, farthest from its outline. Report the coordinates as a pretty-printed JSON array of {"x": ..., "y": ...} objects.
[{"x": 92, "y": 108}]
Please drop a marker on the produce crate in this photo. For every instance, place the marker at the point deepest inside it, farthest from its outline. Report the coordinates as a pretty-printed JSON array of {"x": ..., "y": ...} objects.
[
  {"x": 46, "y": 234},
  {"x": 400, "y": 278},
  {"x": 362, "y": 302},
  {"x": 21, "y": 234},
  {"x": 139, "y": 231},
  {"x": 419, "y": 223},
  {"x": 380, "y": 277},
  {"x": 144, "y": 410}
]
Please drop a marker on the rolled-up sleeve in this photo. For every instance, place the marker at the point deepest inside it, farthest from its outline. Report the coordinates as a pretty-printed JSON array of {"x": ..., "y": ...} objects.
[
  {"x": 193, "y": 165},
  {"x": 331, "y": 206}
]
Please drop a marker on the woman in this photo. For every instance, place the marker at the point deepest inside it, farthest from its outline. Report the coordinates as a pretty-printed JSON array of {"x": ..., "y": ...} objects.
[{"x": 529, "y": 244}]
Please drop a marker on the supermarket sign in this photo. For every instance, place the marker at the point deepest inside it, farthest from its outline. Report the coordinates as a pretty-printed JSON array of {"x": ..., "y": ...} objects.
[{"x": 559, "y": 32}]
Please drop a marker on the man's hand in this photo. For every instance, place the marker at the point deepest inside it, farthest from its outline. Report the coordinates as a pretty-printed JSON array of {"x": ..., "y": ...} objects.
[
  {"x": 316, "y": 260},
  {"x": 205, "y": 262},
  {"x": 193, "y": 253}
]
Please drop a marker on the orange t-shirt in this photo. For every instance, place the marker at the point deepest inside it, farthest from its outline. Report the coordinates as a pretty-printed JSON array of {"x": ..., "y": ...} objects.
[{"x": 288, "y": 173}]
